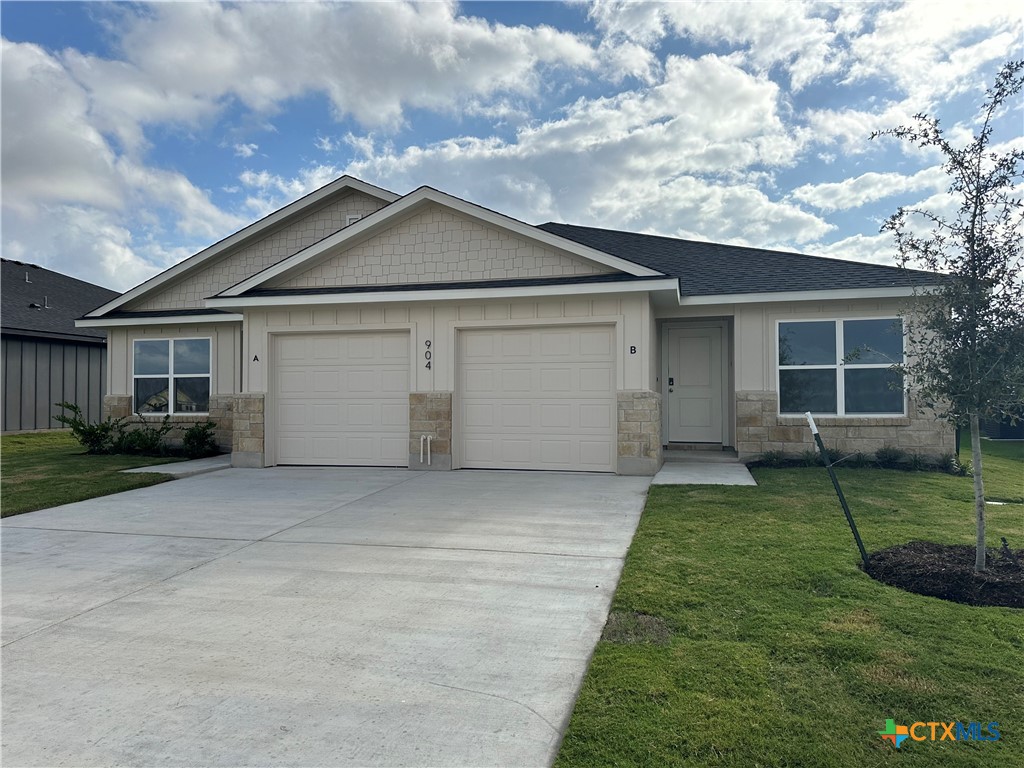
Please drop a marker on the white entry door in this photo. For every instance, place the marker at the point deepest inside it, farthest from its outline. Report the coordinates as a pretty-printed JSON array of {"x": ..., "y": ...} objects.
[
  {"x": 342, "y": 398},
  {"x": 695, "y": 385},
  {"x": 537, "y": 398}
]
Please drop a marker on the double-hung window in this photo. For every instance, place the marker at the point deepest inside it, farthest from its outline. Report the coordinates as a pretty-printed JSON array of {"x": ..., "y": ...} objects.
[
  {"x": 172, "y": 376},
  {"x": 841, "y": 367}
]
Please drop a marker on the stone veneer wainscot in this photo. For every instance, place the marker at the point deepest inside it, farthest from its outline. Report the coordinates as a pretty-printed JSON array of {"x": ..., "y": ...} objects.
[{"x": 760, "y": 428}]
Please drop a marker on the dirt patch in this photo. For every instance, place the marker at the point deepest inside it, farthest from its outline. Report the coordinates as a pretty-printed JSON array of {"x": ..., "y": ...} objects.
[
  {"x": 633, "y": 628},
  {"x": 947, "y": 572}
]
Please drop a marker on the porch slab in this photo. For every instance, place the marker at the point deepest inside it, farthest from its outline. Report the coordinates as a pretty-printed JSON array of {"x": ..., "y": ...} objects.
[{"x": 703, "y": 473}]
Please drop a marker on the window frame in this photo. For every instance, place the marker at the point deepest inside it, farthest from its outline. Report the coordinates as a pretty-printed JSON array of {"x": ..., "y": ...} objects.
[
  {"x": 170, "y": 377},
  {"x": 839, "y": 366}
]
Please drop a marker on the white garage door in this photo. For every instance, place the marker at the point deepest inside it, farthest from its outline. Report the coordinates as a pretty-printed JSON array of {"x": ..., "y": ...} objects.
[
  {"x": 342, "y": 398},
  {"x": 537, "y": 398}
]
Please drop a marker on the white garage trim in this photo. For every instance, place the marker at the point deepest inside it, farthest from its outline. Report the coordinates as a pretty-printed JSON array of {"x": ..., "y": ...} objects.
[
  {"x": 536, "y": 397},
  {"x": 339, "y": 398}
]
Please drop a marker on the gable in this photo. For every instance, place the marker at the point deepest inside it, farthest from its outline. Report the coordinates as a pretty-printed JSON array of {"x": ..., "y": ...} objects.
[
  {"x": 438, "y": 244},
  {"x": 238, "y": 264}
]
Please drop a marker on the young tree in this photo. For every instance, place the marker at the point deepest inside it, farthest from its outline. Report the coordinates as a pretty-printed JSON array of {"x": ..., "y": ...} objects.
[{"x": 966, "y": 335}]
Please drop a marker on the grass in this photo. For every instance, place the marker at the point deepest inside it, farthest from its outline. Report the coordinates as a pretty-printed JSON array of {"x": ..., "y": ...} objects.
[
  {"x": 1002, "y": 464},
  {"x": 761, "y": 643},
  {"x": 45, "y": 469}
]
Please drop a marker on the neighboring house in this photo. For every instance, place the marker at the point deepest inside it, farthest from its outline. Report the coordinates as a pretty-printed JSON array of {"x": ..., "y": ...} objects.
[
  {"x": 355, "y": 326},
  {"x": 45, "y": 358}
]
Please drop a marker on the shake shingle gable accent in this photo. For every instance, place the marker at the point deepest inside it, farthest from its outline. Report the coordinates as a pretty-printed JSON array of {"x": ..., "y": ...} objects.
[{"x": 713, "y": 269}]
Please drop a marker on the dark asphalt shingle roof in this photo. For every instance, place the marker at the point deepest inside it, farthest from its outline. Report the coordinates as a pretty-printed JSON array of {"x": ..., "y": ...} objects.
[
  {"x": 706, "y": 269},
  {"x": 60, "y": 300}
]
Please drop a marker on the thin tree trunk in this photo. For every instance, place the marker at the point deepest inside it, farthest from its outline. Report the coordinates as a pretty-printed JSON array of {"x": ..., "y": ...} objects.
[{"x": 979, "y": 494}]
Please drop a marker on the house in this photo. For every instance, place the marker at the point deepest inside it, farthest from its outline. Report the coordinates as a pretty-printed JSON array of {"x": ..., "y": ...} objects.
[
  {"x": 359, "y": 327},
  {"x": 45, "y": 358}
]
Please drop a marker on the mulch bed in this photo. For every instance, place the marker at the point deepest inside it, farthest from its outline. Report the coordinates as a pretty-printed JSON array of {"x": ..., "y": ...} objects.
[{"x": 947, "y": 571}]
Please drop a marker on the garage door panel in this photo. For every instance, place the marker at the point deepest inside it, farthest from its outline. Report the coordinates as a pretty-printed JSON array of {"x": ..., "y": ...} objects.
[
  {"x": 343, "y": 398},
  {"x": 538, "y": 398},
  {"x": 598, "y": 416}
]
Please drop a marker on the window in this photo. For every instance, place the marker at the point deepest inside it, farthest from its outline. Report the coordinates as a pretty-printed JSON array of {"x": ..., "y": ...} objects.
[
  {"x": 166, "y": 366},
  {"x": 841, "y": 367}
]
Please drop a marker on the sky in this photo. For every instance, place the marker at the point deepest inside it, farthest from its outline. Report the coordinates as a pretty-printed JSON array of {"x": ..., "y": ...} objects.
[{"x": 134, "y": 135}]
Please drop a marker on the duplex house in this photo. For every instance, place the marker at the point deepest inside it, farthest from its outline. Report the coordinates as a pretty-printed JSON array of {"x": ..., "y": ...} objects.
[{"x": 359, "y": 327}]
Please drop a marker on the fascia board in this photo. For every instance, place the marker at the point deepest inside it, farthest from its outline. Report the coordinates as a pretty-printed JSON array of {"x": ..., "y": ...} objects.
[
  {"x": 777, "y": 296},
  {"x": 448, "y": 294},
  {"x": 100, "y": 322}
]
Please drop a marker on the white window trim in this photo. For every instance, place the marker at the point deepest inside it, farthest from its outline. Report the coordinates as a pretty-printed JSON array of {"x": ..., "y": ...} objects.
[
  {"x": 838, "y": 367},
  {"x": 170, "y": 376}
]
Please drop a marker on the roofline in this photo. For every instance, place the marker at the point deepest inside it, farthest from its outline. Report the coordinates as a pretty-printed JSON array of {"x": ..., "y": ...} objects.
[
  {"x": 902, "y": 291},
  {"x": 377, "y": 220},
  {"x": 447, "y": 294},
  {"x": 110, "y": 322},
  {"x": 752, "y": 248},
  {"x": 267, "y": 222},
  {"x": 54, "y": 336}
]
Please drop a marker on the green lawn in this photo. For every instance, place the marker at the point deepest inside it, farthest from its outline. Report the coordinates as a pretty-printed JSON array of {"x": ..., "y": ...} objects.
[
  {"x": 776, "y": 650},
  {"x": 44, "y": 469}
]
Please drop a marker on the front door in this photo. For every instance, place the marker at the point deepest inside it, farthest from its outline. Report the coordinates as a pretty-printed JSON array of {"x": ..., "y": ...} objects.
[{"x": 695, "y": 385}]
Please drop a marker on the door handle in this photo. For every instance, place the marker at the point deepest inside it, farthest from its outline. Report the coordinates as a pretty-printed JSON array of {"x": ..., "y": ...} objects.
[{"x": 671, "y": 390}]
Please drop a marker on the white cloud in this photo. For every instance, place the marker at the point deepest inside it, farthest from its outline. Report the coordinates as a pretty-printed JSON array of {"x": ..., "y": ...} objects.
[
  {"x": 644, "y": 159},
  {"x": 246, "y": 150},
  {"x": 931, "y": 48},
  {"x": 868, "y": 188},
  {"x": 71, "y": 201},
  {"x": 877, "y": 249},
  {"x": 184, "y": 60},
  {"x": 796, "y": 35},
  {"x": 325, "y": 144}
]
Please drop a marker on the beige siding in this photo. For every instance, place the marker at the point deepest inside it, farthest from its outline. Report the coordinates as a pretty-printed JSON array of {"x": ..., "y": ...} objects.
[
  {"x": 754, "y": 342},
  {"x": 440, "y": 324},
  {"x": 225, "y": 351},
  {"x": 189, "y": 292},
  {"x": 438, "y": 245}
]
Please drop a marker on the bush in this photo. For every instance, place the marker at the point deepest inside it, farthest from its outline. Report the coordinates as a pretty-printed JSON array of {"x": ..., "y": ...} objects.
[
  {"x": 889, "y": 456},
  {"x": 810, "y": 458},
  {"x": 951, "y": 463},
  {"x": 858, "y": 460},
  {"x": 919, "y": 463},
  {"x": 773, "y": 459},
  {"x": 198, "y": 441},
  {"x": 146, "y": 439},
  {"x": 102, "y": 437}
]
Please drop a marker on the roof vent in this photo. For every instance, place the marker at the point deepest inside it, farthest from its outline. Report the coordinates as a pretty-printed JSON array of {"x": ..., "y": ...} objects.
[{"x": 26, "y": 278}]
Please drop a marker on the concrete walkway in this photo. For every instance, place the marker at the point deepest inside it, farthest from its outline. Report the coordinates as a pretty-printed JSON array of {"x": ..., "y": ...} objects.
[
  {"x": 187, "y": 468},
  {"x": 297, "y": 617},
  {"x": 703, "y": 473}
]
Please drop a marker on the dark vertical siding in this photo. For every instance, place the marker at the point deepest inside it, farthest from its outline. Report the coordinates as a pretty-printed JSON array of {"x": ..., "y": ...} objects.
[{"x": 38, "y": 373}]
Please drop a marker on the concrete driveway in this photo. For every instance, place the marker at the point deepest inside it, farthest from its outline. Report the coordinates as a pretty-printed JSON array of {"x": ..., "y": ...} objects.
[{"x": 313, "y": 617}]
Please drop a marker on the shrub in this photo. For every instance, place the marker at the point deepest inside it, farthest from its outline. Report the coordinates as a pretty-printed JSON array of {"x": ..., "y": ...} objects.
[
  {"x": 102, "y": 437},
  {"x": 889, "y": 456},
  {"x": 146, "y": 439},
  {"x": 810, "y": 458},
  {"x": 858, "y": 460},
  {"x": 951, "y": 463},
  {"x": 198, "y": 441},
  {"x": 919, "y": 463},
  {"x": 773, "y": 459}
]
